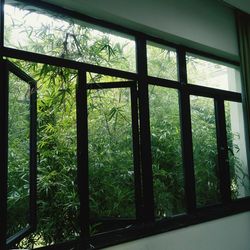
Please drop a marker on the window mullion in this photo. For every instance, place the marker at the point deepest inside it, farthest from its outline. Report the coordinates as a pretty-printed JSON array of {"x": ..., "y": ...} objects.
[
  {"x": 136, "y": 153},
  {"x": 1, "y": 24},
  {"x": 222, "y": 150},
  {"x": 3, "y": 151},
  {"x": 33, "y": 155},
  {"x": 82, "y": 156},
  {"x": 145, "y": 142},
  {"x": 186, "y": 130}
]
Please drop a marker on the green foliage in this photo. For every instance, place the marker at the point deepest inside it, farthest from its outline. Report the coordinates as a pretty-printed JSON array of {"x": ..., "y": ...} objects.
[
  {"x": 166, "y": 152},
  {"x": 18, "y": 160},
  {"x": 111, "y": 173},
  {"x": 205, "y": 150},
  {"x": 110, "y": 154}
]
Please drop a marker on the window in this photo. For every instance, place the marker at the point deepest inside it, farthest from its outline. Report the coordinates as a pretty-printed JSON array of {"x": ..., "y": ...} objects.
[
  {"x": 109, "y": 135},
  {"x": 56, "y": 35},
  {"x": 206, "y": 167},
  {"x": 168, "y": 177},
  {"x": 213, "y": 74},
  {"x": 162, "y": 61},
  {"x": 237, "y": 150},
  {"x": 111, "y": 159},
  {"x": 19, "y": 154}
]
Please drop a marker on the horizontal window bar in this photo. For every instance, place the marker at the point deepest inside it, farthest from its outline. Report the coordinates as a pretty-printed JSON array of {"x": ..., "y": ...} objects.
[
  {"x": 22, "y": 75},
  {"x": 163, "y": 82},
  {"x": 18, "y": 236},
  {"x": 108, "y": 85},
  {"x": 33, "y": 57},
  {"x": 211, "y": 92}
]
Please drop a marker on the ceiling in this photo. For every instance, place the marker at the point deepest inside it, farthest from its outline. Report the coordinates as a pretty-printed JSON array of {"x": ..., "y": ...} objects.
[{"x": 243, "y": 5}]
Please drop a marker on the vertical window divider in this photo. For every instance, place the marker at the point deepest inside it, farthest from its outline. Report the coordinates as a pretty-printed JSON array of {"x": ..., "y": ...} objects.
[
  {"x": 145, "y": 140},
  {"x": 1, "y": 25},
  {"x": 3, "y": 151},
  {"x": 82, "y": 157},
  {"x": 246, "y": 124},
  {"x": 136, "y": 153},
  {"x": 186, "y": 133},
  {"x": 33, "y": 155},
  {"x": 3, "y": 135},
  {"x": 222, "y": 151}
]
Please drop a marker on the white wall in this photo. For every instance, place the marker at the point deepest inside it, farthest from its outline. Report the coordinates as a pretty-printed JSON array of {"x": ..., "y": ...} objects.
[
  {"x": 230, "y": 233},
  {"x": 207, "y": 25}
]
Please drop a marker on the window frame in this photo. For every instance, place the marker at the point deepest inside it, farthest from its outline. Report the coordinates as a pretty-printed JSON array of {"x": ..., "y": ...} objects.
[
  {"x": 146, "y": 224},
  {"x": 32, "y": 218},
  {"x": 32, "y": 166}
]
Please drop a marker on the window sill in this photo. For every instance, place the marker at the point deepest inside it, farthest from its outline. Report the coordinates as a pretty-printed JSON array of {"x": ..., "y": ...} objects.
[{"x": 138, "y": 231}]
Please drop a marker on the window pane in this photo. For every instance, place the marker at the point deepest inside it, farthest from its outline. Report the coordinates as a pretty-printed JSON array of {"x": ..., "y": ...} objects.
[
  {"x": 35, "y": 30},
  {"x": 57, "y": 192},
  {"x": 166, "y": 149},
  {"x": 111, "y": 169},
  {"x": 162, "y": 61},
  {"x": 240, "y": 182},
  {"x": 214, "y": 74},
  {"x": 205, "y": 150},
  {"x": 18, "y": 155}
]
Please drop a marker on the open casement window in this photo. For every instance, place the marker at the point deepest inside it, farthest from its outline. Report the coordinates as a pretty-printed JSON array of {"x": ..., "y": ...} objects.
[
  {"x": 134, "y": 135},
  {"x": 113, "y": 153},
  {"x": 218, "y": 131},
  {"x": 22, "y": 154},
  {"x": 221, "y": 172},
  {"x": 167, "y": 162}
]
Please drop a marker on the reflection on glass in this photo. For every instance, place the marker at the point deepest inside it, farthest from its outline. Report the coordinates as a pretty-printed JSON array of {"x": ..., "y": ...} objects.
[
  {"x": 205, "y": 150},
  {"x": 168, "y": 179},
  {"x": 32, "y": 29},
  {"x": 240, "y": 182},
  {"x": 111, "y": 170},
  {"x": 162, "y": 61},
  {"x": 209, "y": 73},
  {"x": 18, "y": 155}
]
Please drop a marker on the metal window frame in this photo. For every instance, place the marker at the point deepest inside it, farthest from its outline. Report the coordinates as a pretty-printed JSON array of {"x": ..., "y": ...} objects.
[
  {"x": 145, "y": 203},
  {"x": 186, "y": 133},
  {"x": 132, "y": 85},
  {"x": 3, "y": 152},
  {"x": 224, "y": 173},
  {"x": 32, "y": 220}
]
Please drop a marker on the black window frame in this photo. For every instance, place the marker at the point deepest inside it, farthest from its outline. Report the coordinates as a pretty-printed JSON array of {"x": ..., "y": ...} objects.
[
  {"x": 32, "y": 166},
  {"x": 32, "y": 217},
  {"x": 146, "y": 224}
]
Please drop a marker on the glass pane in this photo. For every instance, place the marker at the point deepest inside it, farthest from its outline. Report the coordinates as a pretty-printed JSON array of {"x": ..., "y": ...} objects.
[
  {"x": 57, "y": 191},
  {"x": 111, "y": 170},
  {"x": 214, "y": 74},
  {"x": 35, "y": 30},
  {"x": 240, "y": 182},
  {"x": 162, "y": 61},
  {"x": 99, "y": 78},
  {"x": 18, "y": 155},
  {"x": 205, "y": 150},
  {"x": 168, "y": 179}
]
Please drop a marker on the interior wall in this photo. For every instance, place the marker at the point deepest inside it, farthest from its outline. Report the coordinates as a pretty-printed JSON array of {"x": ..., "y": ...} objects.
[
  {"x": 207, "y": 25},
  {"x": 230, "y": 233}
]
